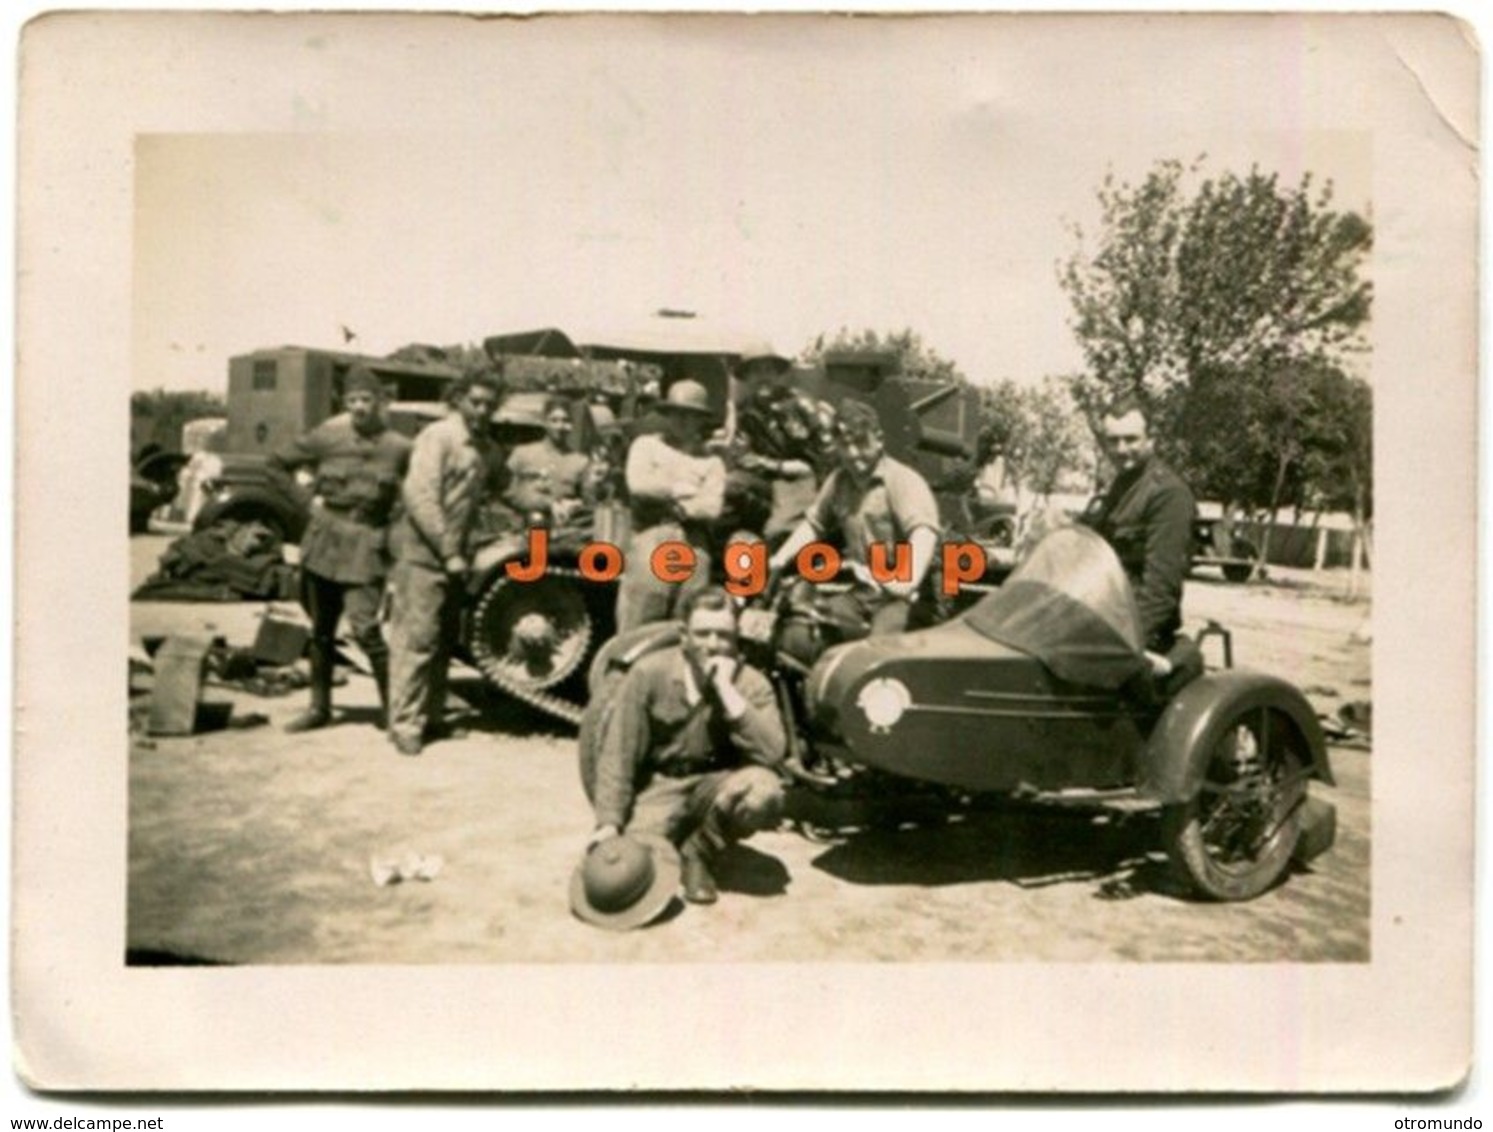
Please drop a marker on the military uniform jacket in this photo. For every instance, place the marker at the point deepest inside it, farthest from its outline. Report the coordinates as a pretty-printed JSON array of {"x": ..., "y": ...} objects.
[
  {"x": 453, "y": 473},
  {"x": 542, "y": 473},
  {"x": 893, "y": 503},
  {"x": 655, "y": 722},
  {"x": 1147, "y": 517},
  {"x": 355, "y": 491}
]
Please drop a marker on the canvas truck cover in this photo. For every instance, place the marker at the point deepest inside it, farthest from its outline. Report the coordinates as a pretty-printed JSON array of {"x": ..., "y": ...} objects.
[{"x": 1069, "y": 605}]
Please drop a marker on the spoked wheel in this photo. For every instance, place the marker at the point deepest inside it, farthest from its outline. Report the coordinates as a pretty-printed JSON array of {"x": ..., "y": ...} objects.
[{"x": 1235, "y": 837}]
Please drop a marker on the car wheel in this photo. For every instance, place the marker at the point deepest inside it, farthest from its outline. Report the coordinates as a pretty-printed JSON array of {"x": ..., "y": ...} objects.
[
  {"x": 1239, "y": 572},
  {"x": 1234, "y": 838},
  {"x": 162, "y": 468}
]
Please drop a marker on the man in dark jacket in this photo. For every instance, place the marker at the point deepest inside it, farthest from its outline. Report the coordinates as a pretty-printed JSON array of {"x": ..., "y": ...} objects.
[
  {"x": 1146, "y": 514},
  {"x": 358, "y": 463}
]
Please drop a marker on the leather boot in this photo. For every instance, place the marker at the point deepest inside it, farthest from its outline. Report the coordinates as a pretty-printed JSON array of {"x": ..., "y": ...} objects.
[
  {"x": 699, "y": 884},
  {"x": 697, "y": 855},
  {"x": 379, "y": 662},
  {"x": 320, "y": 712}
]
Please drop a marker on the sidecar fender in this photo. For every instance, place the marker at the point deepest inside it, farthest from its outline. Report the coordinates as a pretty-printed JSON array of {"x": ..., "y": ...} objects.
[{"x": 1173, "y": 762}]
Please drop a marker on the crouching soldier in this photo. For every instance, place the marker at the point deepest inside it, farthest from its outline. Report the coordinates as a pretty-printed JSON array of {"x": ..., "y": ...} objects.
[
  {"x": 687, "y": 747},
  {"x": 358, "y": 463}
]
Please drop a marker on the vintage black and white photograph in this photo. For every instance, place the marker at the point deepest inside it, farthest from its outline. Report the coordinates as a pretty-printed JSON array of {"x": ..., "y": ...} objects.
[{"x": 866, "y": 519}]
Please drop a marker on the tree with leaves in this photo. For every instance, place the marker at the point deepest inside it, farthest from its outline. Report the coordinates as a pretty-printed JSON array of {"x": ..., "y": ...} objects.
[
  {"x": 1245, "y": 276},
  {"x": 915, "y": 357},
  {"x": 1038, "y": 431},
  {"x": 157, "y": 417},
  {"x": 1231, "y": 313}
]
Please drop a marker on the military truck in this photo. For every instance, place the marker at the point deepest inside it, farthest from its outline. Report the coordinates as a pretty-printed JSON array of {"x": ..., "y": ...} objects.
[{"x": 276, "y": 394}]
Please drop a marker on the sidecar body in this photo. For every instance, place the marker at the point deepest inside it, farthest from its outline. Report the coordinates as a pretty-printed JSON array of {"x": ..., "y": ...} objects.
[{"x": 1043, "y": 689}]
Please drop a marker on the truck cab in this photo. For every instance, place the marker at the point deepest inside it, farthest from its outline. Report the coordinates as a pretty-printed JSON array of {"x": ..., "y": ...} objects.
[{"x": 275, "y": 395}]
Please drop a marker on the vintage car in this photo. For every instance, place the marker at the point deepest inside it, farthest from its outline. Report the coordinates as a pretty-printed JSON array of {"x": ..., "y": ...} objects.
[
  {"x": 1215, "y": 543},
  {"x": 152, "y": 484},
  {"x": 1042, "y": 690}
]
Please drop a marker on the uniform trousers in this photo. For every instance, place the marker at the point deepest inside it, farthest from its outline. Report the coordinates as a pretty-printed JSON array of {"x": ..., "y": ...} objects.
[
  {"x": 424, "y": 629},
  {"x": 642, "y": 596},
  {"x": 325, "y": 601},
  {"x": 702, "y": 813}
]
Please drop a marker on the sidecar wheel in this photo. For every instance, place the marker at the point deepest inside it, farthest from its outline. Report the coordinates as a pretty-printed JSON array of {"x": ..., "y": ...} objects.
[{"x": 1234, "y": 838}]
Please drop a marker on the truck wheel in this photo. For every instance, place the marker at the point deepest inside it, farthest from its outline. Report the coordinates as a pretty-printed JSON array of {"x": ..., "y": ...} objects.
[
  {"x": 1237, "y": 572},
  {"x": 1234, "y": 838}
]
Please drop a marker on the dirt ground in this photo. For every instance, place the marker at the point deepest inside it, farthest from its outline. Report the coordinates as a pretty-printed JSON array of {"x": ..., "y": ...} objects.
[{"x": 247, "y": 846}]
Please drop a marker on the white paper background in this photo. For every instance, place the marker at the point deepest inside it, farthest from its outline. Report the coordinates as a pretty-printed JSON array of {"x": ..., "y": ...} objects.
[{"x": 1392, "y": 1024}]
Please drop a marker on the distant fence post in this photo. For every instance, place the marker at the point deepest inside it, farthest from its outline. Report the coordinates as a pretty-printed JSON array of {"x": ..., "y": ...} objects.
[{"x": 1355, "y": 556}]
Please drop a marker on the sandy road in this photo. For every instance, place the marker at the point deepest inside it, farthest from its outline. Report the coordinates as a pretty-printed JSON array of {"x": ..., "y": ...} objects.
[{"x": 248, "y": 846}]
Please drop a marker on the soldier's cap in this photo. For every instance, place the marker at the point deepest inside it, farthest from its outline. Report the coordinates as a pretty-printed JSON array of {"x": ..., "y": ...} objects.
[
  {"x": 856, "y": 419},
  {"x": 687, "y": 397},
  {"x": 762, "y": 352},
  {"x": 625, "y": 882},
  {"x": 361, "y": 379}
]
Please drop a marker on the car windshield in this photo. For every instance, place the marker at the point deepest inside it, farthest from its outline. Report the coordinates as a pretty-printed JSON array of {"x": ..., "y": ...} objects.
[{"x": 1069, "y": 605}]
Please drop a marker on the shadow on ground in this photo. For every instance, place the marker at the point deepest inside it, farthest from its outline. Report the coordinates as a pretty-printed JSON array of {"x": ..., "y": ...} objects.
[
  {"x": 144, "y": 957},
  {"x": 745, "y": 870},
  {"x": 1025, "y": 846},
  {"x": 496, "y": 713}
]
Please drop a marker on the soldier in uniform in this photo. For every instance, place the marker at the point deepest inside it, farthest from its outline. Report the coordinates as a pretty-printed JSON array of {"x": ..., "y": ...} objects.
[
  {"x": 675, "y": 490},
  {"x": 358, "y": 463},
  {"x": 545, "y": 475},
  {"x": 687, "y": 746},
  {"x": 871, "y": 498},
  {"x": 453, "y": 472},
  {"x": 1146, "y": 514}
]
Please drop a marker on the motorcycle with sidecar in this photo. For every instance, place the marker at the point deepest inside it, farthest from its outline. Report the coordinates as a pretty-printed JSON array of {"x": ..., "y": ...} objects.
[{"x": 1042, "y": 691}]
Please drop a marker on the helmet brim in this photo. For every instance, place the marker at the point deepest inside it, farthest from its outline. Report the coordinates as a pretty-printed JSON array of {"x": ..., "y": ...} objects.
[{"x": 648, "y": 907}]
